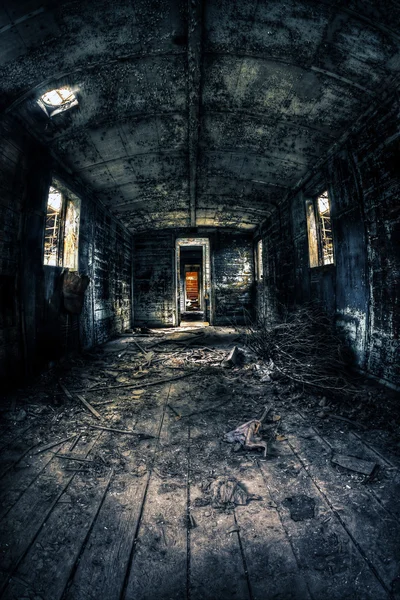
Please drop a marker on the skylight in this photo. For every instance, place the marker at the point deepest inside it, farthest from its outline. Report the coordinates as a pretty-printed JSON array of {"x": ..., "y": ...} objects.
[{"x": 58, "y": 100}]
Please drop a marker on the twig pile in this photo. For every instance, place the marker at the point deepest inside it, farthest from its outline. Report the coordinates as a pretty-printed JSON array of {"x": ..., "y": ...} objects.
[{"x": 304, "y": 348}]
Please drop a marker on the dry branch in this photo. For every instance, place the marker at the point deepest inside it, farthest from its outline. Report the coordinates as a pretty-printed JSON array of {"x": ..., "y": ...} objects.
[{"x": 304, "y": 348}]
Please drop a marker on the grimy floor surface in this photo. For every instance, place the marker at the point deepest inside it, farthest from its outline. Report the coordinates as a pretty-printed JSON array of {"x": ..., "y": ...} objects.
[{"x": 108, "y": 515}]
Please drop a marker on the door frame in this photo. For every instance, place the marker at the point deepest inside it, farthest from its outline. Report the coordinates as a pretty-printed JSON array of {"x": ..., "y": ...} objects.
[{"x": 205, "y": 276}]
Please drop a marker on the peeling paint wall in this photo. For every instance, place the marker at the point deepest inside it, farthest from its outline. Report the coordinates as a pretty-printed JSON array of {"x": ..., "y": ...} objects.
[
  {"x": 361, "y": 289},
  {"x": 36, "y": 329},
  {"x": 232, "y": 277}
]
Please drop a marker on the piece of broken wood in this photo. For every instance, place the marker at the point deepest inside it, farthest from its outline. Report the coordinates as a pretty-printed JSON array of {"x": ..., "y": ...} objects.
[
  {"x": 358, "y": 465},
  {"x": 126, "y": 431},
  {"x": 53, "y": 444},
  {"x": 81, "y": 399},
  {"x": 72, "y": 457},
  {"x": 137, "y": 386},
  {"x": 89, "y": 407}
]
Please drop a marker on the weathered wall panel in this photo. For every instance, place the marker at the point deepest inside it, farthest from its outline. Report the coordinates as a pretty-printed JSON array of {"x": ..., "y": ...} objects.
[
  {"x": 35, "y": 329},
  {"x": 232, "y": 276},
  {"x": 233, "y": 268},
  {"x": 13, "y": 169},
  {"x": 154, "y": 291},
  {"x": 361, "y": 289}
]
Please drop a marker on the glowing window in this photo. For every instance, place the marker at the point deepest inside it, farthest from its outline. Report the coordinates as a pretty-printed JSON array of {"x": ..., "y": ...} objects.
[
  {"x": 259, "y": 261},
  {"x": 319, "y": 226},
  {"x": 71, "y": 235},
  {"x": 56, "y": 101},
  {"x": 52, "y": 230},
  {"x": 61, "y": 235}
]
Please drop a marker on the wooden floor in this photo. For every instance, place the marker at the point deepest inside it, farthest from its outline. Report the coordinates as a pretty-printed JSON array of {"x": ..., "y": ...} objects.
[{"x": 131, "y": 516}]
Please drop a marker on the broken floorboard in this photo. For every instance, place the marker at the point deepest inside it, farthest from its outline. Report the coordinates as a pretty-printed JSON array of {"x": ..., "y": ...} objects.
[{"x": 137, "y": 521}]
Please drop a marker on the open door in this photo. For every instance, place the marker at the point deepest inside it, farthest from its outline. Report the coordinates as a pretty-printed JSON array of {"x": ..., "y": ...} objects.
[{"x": 193, "y": 282}]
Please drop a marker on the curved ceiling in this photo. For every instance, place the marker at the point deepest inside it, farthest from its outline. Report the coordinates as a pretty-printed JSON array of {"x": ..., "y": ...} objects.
[{"x": 196, "y": 113}]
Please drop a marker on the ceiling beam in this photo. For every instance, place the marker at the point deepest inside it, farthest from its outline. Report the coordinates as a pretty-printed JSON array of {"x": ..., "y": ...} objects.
[{"x": 195, "y": 31}]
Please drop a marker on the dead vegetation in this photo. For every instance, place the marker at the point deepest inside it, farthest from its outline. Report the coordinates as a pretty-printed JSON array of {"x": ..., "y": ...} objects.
[{"x": 304, "y": 348}]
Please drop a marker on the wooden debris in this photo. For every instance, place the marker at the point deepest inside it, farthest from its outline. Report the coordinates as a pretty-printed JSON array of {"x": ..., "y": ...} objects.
[
  {"x": 89, "y": 407},
  {"x": 353, "y": 463},
  {"x": 82, "y": 399},
  {"x": 142, "y": 350},
  {"x": 53, "y": 444},
  {"x": 138, "y": 386},
  {"x": 126, "y": 431},
  {"x": 339, "y": 418},
  {"x": 72, "y": 457}
]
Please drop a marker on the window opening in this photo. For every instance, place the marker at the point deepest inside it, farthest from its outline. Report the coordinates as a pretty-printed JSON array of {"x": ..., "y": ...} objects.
[
  {"x": 259, "y": 261},
  {"x": 52, "y": 231},
  {"x": 61, "y": 236},
  {"x": 319, "y": 227},
  {"x": 71, "y": 234},
  {"x": 56, "y": 101},
  {"x": 324, "y": 213}
]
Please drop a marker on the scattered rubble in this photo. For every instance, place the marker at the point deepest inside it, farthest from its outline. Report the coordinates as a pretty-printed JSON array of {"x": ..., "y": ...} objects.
[{"x": 352, "y": 463}]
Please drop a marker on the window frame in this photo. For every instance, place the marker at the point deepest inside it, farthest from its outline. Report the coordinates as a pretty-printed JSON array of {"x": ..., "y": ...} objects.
[
  {"x": 258, "y": 260},
  {"x": 314, "y": 231},
  {"x": 66, "y": 200}
]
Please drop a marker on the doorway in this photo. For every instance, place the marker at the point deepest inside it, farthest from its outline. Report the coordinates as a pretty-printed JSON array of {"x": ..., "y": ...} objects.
[{"x": 193, "y": 285}]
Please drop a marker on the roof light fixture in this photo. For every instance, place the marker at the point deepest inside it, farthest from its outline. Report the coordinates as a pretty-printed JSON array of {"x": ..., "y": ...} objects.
[{"x": 56, "y": 101}]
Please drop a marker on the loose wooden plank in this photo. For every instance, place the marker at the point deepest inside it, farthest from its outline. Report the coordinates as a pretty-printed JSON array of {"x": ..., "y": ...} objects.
[
  {"x": 354, "y": 463},
  {"x": 89, "y": 407},
  {"x": 123, "y": 431},
  {"x": 45, "y": 569},
  {"x": 138, "y": 386},
  {"x": 386, "y": 486},
  {"x": 81, "y": 399},
  {"x": 54, "y": 444}
]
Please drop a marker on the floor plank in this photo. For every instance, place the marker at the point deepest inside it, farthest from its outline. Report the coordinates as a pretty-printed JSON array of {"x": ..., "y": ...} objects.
[
  {"x": 45, "y": 569},
  {"x": 159, "y": 561},
  {"x": 29, "y": 514},
  {"x": 324, "y": 551},
  {"x": 104, "y": 561},
  {"x": 216, "y": 563},
  {"x": 270, "y": 559},
  {"x": 376, "y": 534},
  {"x": 17, "y": 481}
]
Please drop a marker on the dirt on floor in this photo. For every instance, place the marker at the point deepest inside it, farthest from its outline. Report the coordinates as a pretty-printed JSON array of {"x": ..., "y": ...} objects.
[{"x": 119, "y": 481}]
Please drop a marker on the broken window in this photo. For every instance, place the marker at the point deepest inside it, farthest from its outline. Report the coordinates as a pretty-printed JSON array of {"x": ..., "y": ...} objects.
[
  {"x": 57, "y": 101},
  {"x": 71, "y": 232},
  {"x": 52, "y": 231},
  {"x": 62, "y": 230},
  {"x": 259, "y": 261},
  {"x": 319, "y": 226}
]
